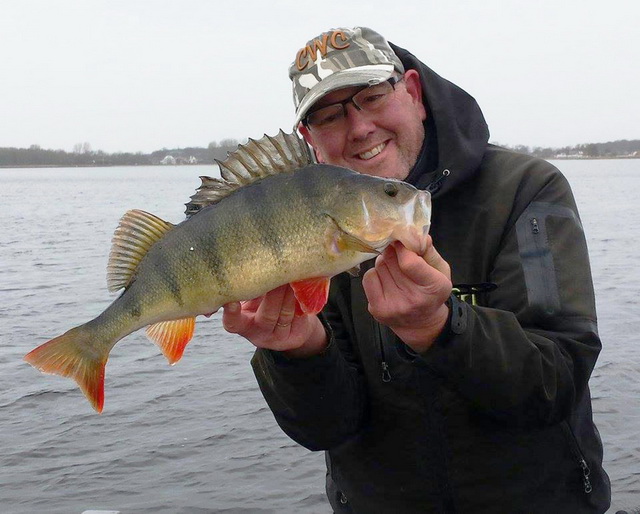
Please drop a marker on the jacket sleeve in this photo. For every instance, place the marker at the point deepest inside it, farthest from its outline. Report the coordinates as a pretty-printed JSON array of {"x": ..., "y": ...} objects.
[
  {"x": 319, "y": 402},
  {"x": 527, "y": 355}
]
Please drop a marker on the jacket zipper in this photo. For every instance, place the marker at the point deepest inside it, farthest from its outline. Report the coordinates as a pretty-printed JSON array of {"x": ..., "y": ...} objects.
[
  {"x": 539, "y": 244},
  {"x": 582, "y": 463},
  {"x": 535, "y": 228},
  {"x": 443, "y": 480},
  {"x": 386, "y": 374},
  {"x": 435, "y": 186}
]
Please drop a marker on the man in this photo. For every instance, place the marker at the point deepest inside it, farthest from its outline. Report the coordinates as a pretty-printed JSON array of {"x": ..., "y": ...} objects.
[{"x": 426, "y": 401}]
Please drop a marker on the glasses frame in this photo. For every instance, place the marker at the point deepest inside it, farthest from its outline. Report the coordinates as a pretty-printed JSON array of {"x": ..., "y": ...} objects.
[{"x": 391, "y": 80}]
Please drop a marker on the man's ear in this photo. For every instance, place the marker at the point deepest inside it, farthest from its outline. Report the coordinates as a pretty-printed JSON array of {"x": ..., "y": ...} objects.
[
  {"x": 414, "y": 88},
  {"x": 309, "y": 139}
]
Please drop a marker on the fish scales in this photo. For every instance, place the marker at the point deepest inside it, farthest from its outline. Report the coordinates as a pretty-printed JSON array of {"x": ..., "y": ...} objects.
[
  {"x": 300, "y": 224},
  {"x": 261, "y": 233}
]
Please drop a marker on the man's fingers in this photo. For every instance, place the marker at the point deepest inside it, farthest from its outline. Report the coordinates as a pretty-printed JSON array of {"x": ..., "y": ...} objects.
[
  {"x": 264, "y": 315},
  {"x": 387, "y": 267},
  {"x": 412, "y": 266},
  {"x": 252, "y": 305},
  {"x": 269, "y": 310},
  {"x": 435, "y": 260},
  {"x": 287, "y": 310},
  {"x": 372, "y": 286},
  {"x": 232, "y": 318}
]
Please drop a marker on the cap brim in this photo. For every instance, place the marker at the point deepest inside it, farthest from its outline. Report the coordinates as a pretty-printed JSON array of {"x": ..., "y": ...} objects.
[{"x": 360, "y": 76}]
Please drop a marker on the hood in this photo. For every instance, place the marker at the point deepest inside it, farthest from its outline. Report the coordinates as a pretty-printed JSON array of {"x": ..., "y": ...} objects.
[{"x": 456, "y": 131}]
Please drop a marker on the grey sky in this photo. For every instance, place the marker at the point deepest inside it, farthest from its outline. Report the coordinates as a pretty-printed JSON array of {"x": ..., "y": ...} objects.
[{"x": 133, "y": 75}]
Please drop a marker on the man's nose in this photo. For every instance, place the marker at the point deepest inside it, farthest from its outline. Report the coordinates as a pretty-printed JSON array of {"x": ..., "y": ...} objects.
[{"x": 359, "y": 122}]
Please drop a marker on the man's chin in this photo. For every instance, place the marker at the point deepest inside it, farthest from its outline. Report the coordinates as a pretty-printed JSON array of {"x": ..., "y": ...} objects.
[{"x": 384, "y": 168}]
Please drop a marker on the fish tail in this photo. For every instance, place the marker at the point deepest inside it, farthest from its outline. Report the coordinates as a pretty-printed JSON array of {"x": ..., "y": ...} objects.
[{"x": 76, "y": 355}]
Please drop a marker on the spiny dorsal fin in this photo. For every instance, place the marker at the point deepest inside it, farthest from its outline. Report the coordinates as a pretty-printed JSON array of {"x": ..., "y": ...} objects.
[
  {"x": 252, "y": 161},
  {"x": 136, "y": 233}
]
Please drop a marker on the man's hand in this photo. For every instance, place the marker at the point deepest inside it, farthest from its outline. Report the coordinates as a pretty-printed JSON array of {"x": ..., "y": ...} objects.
[
  {"x": 270, "y": 322},
  {"x": 407, "y": 292}
]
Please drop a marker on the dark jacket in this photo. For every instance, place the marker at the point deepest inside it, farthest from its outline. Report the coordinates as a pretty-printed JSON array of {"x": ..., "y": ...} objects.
[{"x": 496, "y": 416}]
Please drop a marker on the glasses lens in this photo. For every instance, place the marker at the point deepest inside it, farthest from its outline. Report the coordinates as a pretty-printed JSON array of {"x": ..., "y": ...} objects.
[
  {"x": 325, "y": 116},
  {"x": 368, "y": 99},
  {"x": 373, "y": 97}
]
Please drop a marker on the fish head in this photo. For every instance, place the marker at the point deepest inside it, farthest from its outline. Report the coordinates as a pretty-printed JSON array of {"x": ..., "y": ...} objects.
[{"x": 377, "y": 211}]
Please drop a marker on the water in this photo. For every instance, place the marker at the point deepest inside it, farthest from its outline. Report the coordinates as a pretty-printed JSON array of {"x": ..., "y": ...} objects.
[{"x": 198, "y": 437}]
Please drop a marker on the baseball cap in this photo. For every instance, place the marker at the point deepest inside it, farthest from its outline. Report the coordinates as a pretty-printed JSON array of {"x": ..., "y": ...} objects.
[{"x": 337, "y": 59}]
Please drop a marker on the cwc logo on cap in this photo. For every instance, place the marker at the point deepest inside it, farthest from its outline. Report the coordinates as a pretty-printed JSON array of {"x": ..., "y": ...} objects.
[
  {"x": 340, "y": 58},
  {"x": 337, "y": 39}
]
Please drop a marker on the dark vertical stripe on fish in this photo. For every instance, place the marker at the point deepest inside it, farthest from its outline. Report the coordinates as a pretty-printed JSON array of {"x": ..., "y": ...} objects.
[
  {"x": 309, "y": 191},
  {"x": 169, "y": 277},
  {"x": 266, "y": 218},
  {"x": 209, "y": 254},
  {"x": 172, "y": 283}
]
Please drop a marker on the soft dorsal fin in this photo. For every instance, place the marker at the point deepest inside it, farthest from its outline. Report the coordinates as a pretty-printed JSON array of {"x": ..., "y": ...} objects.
[
  {"x": 250, "y": 162},
  {"x": 136, "y": 233}
]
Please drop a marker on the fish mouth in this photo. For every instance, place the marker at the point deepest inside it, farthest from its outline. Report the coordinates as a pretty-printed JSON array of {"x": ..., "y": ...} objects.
[
  {"x": 417, "y": 216},
  {"x": 409, "y": 225},
  {"x": 372, "y": 152},
  {"x": 415, "y": 239},
  {"x": 412, "y": 237}
]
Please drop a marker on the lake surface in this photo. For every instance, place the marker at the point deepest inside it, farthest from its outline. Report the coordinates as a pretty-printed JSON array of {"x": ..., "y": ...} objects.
[{"x": 198, "y": 437}]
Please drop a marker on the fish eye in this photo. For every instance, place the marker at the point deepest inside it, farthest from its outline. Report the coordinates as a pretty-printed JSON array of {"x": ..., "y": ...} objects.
[{"x": 391, "y": 189}]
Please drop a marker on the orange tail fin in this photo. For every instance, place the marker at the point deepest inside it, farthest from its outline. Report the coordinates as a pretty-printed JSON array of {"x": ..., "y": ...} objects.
[{"x": 73, "y": 355}]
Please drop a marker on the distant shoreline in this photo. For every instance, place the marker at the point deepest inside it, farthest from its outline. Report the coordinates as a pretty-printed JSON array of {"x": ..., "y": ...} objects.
[
  {"x": 591, "y": 158},
  {"x": 20, "y": 166},
  {"x": 27, "y": 166}
]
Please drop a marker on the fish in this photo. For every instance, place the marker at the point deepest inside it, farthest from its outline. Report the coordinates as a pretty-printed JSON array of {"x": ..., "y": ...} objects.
[{"x": 274, "y": 217}]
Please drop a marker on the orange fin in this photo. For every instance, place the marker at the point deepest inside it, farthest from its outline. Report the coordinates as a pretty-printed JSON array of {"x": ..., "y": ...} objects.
[
  {"x": 73, "y": 355},
  {"x": 311, "y": 294},
  {"x": 172, "y": 336}
]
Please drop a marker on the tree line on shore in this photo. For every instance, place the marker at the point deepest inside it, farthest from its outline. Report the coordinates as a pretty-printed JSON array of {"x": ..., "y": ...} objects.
[
  {"x": 83, "y": 155},
  {"x": 610, "y": 150}
]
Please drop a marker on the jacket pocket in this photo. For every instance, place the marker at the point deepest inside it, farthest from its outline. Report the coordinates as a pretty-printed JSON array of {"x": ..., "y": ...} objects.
[
  {"x": 337, "y": 499},
  {"x": 581, "y": 464}
]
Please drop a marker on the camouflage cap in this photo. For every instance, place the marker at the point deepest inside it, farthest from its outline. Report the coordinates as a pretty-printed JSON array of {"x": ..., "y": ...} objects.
[{"x": 337, "y": 59}]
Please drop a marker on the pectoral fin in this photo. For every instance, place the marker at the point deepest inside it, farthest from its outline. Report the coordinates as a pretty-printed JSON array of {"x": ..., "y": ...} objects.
[
  {"x": 172, "y": 337},
  {"x": 350, "y": 242},
  {"x": 339, "y": 240},
  {"x": 311, "y": 294}
]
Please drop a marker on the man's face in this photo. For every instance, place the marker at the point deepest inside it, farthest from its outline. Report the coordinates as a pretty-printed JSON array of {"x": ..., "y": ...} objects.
[{"x": 385, "y": 143}]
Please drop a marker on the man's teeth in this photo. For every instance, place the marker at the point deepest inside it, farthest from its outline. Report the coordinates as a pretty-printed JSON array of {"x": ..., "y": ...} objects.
[{"x": 370, "y": 154}]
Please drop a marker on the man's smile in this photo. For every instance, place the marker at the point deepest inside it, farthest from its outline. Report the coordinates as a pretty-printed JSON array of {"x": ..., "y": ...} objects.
[{"x": 371, "y": 153}]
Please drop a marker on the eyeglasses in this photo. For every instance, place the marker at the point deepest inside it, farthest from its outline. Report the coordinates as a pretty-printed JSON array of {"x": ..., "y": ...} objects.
[{"x": 368, "y": 99}]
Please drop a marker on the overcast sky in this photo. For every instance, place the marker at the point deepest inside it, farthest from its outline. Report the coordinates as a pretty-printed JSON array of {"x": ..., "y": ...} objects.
[{"x": 134, "y": 75}]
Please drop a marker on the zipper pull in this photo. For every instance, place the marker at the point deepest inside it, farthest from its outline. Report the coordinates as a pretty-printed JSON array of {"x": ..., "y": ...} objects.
[
  {"x": 535, "y": 228},
  {"x": 386, "y": 376},
  {"x": 435, "y": 186},
  {"x": 586, "y": 472}
]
